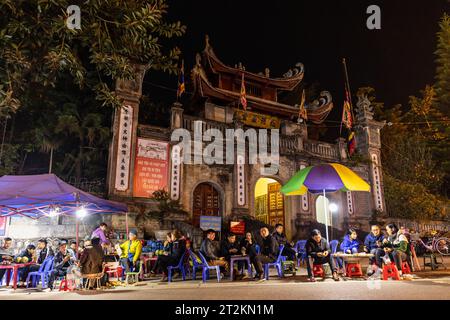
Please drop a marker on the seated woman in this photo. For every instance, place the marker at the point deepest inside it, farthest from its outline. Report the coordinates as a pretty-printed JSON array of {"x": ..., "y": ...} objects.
[
  {"x": 319, "y": 250},
  {"x": 351, "y": 243},
  {"x": 172, "y": 258},
  {"x": 396, "y": 245},
  {"x": 167, "y": 248}
]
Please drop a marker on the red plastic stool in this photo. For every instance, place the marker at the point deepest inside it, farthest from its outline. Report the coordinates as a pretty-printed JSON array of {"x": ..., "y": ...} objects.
[
  {"x": 405, "y": 267},
  {"x": 318, "y": 270},
  {"x": 353, "y": 270},
  {"x": 390, "y": 271},
  {"x": 67, "y": 285}
]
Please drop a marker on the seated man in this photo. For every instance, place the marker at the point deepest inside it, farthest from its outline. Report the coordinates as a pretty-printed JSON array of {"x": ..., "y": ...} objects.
[
  {"x": 73, "y": 249},
  {"x": 131, "y": 253},
  {"x": 268, "y": 254},
  {"x": 373, "y": 244},
  {"x": 230, "y": 247},
  {"x": 25, "y": 256},
  {"x": 319, "y": 250},
  {"x": 210, "y": 250},
  {"x": 91, "y": 260},
  {"x": 63, "y": 260},
  {"x": 42, "y": 251},
  {"x": 6, "y": 255},
  {"x": 281, "y": 238}
]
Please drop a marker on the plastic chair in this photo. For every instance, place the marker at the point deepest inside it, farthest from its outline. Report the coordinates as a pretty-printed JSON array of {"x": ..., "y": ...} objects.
[
  {"x": 300, "y": 247},
  {"x": 206, "y": 267},
  {"x": 276, "y": 264},
  {"x": 334, "y": 245},
  {"x": 42, "y": 274},
  {"x": 179, "y": 266},
  {"x": 133, "y": 275}
]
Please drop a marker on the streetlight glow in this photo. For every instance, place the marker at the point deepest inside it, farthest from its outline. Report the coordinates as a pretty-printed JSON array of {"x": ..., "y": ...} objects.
[
  {"x": 333, "y": 207},
  {"x": 81, "y": 212}
]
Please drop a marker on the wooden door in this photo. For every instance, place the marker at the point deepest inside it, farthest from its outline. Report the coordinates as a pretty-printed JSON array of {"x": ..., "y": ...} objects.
[
  {"x": 275, "y": 204},
  {"x": 206, "y": 203}
]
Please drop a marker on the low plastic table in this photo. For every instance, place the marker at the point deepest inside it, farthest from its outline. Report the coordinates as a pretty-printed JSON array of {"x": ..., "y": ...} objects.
[
  {"x": 240, "y": 258},
  {"x": 14, "y": 267},
  {"x": 351, "y": 258}
]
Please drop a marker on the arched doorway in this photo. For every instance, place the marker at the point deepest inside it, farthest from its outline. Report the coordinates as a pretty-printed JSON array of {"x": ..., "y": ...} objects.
[
  {"x": 206, "y": 202},
  {"x": 321, "y": 209},
  {"x": 269, "y": 201}
]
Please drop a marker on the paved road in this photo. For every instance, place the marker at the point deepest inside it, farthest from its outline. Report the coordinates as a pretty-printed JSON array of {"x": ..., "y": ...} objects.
[{"x": 291, "y": 288}]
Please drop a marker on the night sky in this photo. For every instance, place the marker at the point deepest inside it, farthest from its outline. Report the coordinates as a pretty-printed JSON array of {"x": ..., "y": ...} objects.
[{"x": 397, "y": 60}]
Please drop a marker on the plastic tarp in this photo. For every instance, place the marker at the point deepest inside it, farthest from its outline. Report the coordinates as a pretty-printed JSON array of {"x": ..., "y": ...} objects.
[{"x": 35, "y": 196}]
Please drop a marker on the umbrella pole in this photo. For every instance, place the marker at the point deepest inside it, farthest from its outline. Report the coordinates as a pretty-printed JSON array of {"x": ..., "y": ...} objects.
[
  {"x": 126, "y": 224},
  {"x": 77, "y": 236},
  {"x": 326, "y": 213}
]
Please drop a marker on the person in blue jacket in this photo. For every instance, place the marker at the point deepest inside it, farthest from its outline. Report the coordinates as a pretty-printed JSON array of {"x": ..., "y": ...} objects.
[
  {"x": 351, "y": 242},
  {"x": 374, "y": 244}
]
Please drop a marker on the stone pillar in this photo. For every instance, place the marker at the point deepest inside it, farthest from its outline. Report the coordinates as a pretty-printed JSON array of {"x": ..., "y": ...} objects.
[
  {"x": 123, "y": 145},
  {"x": 176, "y": 120},
  {"x": 368, "y": 142},
  {"x": 240, "y": 181}
]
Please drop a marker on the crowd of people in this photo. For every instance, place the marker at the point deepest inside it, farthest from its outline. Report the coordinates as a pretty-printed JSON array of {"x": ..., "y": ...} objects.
[
  {"x": 89, "y": 257},
  {"x": 85, "y": 259}
]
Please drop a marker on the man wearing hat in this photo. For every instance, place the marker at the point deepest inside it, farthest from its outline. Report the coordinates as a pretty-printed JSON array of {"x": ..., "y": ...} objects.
[
  {"x": 63, "y": 260},
  {"x": 131, "y": 252}
]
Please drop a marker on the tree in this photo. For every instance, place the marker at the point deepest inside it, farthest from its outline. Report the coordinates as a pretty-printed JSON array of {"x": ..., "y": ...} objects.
[
  {"x": 442, "y": 53},
  {"x": 413, "y": 173},
  {"x": 37, "y": 49}
]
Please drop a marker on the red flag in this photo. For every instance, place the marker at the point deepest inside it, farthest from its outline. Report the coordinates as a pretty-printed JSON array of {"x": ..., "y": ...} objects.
[
  {"x": 351, "y": 144},
  {"x": 347, "y": 113},
  {"x": 243, "y": 98}
]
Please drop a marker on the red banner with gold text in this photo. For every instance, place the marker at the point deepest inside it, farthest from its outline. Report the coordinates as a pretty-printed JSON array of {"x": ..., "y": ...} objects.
[{"x": 150, "y": 167}]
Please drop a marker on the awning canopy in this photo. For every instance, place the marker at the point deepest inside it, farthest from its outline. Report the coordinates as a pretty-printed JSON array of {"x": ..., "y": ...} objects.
[{"x": 35, "y": 196}]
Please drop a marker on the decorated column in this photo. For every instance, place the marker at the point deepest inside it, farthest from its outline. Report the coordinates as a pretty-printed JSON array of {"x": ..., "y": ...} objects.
[
  {"x": 123, "y": 144},
  {"x": 368, "y": 142}
]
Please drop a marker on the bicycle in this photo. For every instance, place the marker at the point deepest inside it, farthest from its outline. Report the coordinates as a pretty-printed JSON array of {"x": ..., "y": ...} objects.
[{"x": 437, "y": 244}]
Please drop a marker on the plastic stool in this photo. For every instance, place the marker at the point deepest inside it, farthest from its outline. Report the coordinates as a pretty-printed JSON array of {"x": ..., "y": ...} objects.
[
  {"x": 353, "y": 270},
  {"x": 133, "y": 276},
  {"x": 405, "y": 268},
  {"x": 318, "y": 270},
  {"x": 390, "y": 271},
  {"x": 67, "y": 285}
]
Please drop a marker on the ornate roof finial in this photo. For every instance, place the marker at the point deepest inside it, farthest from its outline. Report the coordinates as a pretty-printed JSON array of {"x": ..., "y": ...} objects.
[
  {"x": 206, "y": 41},
  {"x": 240, "y": 65},
  {"x": 267, "y": 72}
]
